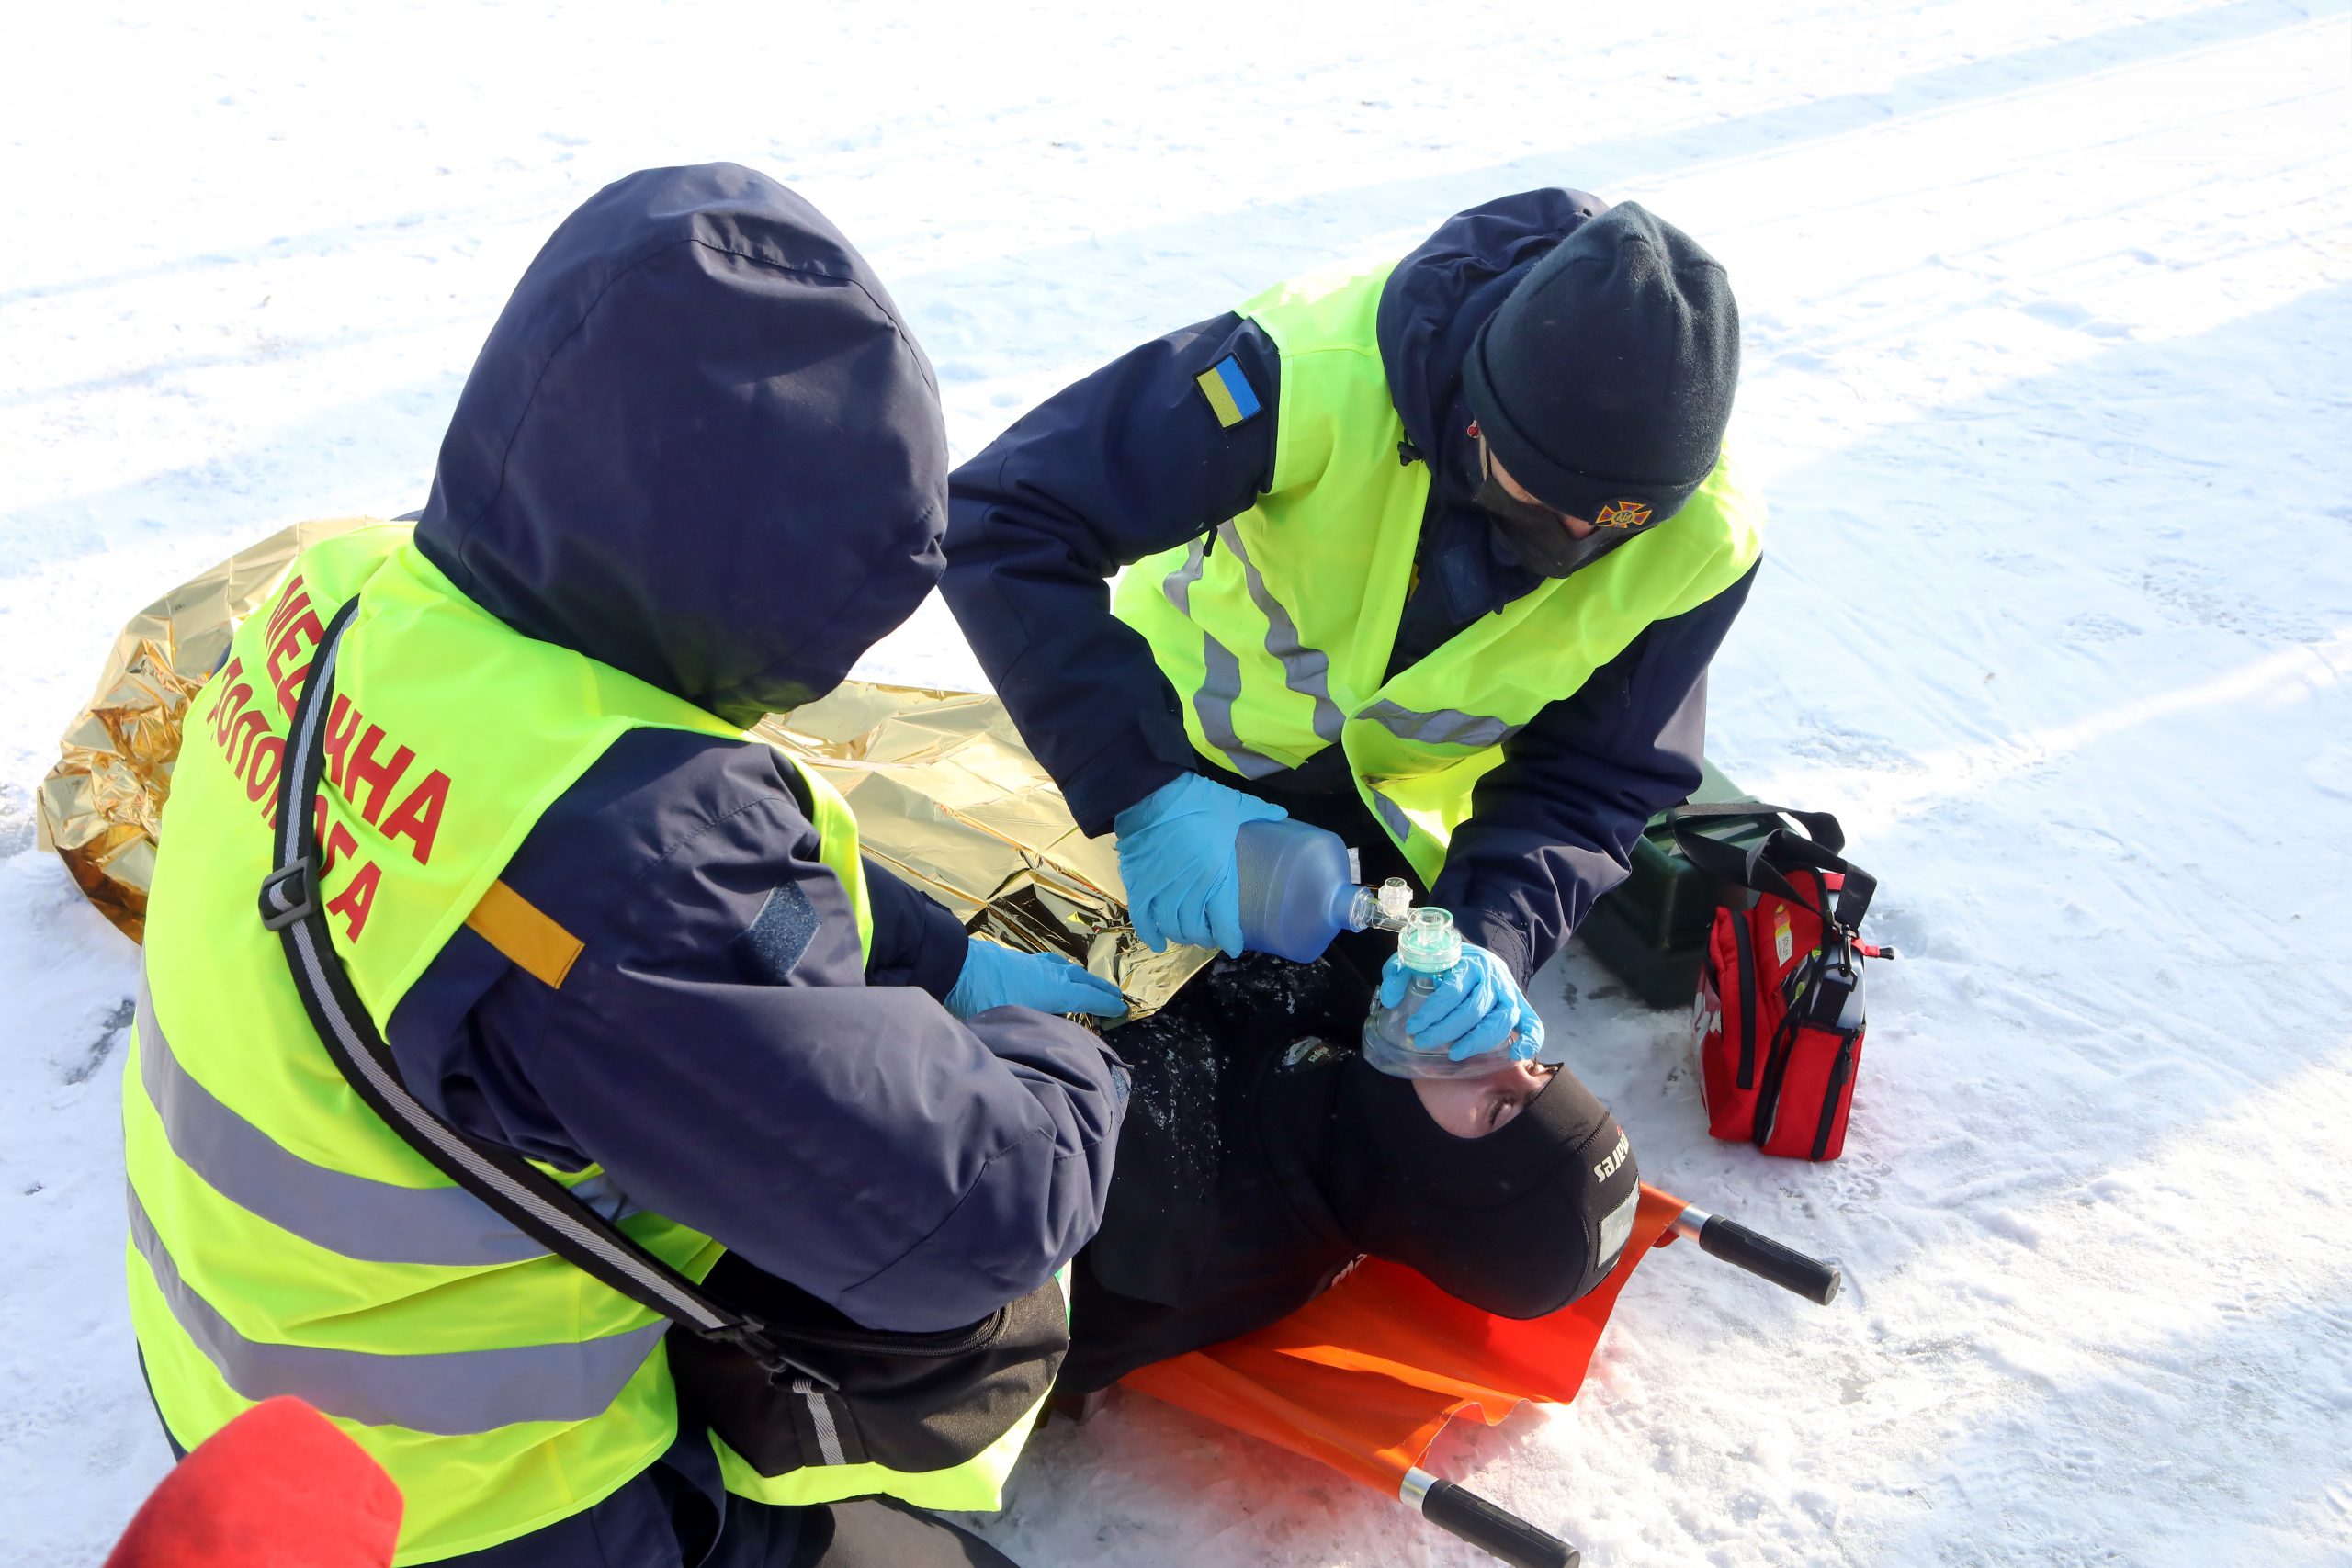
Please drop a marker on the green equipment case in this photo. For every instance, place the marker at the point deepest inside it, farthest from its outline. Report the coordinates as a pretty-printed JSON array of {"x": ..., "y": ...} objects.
[{"x": 1651, "y": 929}]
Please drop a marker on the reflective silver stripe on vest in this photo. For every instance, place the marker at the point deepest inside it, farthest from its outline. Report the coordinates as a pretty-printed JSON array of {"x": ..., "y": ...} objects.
[
  {"x": 448, "y": 1393},
  {"x": 375, "y": 1222},
  {"x": 1306, "y": 671},
  {"x": 821, "y": 1419},
  {"x": 1178, "y": 585},
  {"x": 1220, "y": 674},
  {"x": 1441, "y": 727},
  {"x": 1392, "y": 816},
  {"x": 1220, "y": 686}
]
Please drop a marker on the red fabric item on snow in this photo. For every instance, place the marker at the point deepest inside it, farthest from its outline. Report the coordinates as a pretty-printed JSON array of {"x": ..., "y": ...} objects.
[
  {"x": 1780, "y": 1024},
  {"x": 1365, "y": 1376},
  {"x": 278, "y": 1487},
  {"x": 1753, "y": 955},
  {"x": 1780, "y": 1015},
  {"x": 1814, "y": 1094}
]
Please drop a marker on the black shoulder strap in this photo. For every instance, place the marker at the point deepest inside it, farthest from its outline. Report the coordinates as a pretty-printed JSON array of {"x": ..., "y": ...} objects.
[
  {"x": 1819, "y": 826},
  {"x": 1816, "y": 843},
  {"x": 537, "y": 1204}
]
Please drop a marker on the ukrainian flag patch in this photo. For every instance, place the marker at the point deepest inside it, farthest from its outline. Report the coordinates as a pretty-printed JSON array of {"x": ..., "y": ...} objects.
[{"x": 1228, "y": 391}]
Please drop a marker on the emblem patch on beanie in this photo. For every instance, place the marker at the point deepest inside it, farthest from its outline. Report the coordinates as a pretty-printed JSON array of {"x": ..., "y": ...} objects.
[
  {"x": 1228, "y": 391},
  {"x": 1627, "y": 513}
]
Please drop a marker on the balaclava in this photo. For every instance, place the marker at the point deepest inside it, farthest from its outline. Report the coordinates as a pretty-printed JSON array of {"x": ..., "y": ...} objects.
[{"x": 1520, "y": 1223}]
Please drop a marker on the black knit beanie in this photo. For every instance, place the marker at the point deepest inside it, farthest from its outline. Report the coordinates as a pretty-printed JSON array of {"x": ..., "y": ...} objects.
[{"x": 1604, "y": 383}]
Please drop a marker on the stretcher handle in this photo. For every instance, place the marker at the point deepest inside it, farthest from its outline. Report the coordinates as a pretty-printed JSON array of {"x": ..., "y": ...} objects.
[
  {"x": 1817, "y": 1279},
  {"x": 1497, "y": 1532}
]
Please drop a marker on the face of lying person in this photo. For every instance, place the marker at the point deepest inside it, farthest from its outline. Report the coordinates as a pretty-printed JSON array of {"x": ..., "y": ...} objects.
[{"x": 1472, "y": 1108}]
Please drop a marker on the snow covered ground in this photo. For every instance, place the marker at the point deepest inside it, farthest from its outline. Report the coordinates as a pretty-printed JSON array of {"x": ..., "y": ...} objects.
[{"x": 2048, "y": 315}]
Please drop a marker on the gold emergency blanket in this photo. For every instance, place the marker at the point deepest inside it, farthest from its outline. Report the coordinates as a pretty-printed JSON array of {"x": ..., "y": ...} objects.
[{"x": 945, "y": 793}]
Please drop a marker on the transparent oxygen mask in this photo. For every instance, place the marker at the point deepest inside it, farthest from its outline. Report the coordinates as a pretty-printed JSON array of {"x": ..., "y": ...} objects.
[{"x": 1428, "y": 945}]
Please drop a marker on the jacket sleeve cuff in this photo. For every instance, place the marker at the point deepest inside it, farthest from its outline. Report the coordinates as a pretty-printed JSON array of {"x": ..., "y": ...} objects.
[
  {"x": 1498, "y": 935},
  {"x": 1117, "y": 776},
  {"x": 938, "y": 959},
  {"x": 917, "y": 941}
]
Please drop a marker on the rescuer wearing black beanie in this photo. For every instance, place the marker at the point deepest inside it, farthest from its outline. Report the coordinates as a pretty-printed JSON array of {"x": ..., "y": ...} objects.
[
  {"x": 1602, "y": 385},
  {"x": 1433, "y": 555}
]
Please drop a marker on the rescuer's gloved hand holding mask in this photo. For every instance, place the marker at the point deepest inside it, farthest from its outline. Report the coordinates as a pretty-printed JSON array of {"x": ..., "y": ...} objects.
[
  {"x": 1176, "y": 856},
  {"x": 1477, "y": 1006},
  {"x": 996, "y": 976}
]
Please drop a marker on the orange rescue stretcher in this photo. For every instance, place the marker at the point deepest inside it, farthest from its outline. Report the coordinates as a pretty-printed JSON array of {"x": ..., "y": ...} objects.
[{"x": 1364, "y": 1377}]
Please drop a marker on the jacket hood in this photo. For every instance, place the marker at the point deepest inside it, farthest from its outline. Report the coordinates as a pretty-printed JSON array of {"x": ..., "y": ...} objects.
[
  {"x": 1443, "y": 292},
  {"x": 1431, "y": 310},
  {"x": 699, "y": 446}
]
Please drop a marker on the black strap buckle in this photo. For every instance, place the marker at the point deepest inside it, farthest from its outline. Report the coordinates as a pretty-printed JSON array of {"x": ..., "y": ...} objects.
[
  {"x": 289, "y": 893},
  {"x": 751, "y": 1337}
]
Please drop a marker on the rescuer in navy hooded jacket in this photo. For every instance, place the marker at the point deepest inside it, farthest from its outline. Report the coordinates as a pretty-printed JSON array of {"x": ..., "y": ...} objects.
[
  {"x": 621, "y": 479},
  {"x": 1130, "y": 460}
]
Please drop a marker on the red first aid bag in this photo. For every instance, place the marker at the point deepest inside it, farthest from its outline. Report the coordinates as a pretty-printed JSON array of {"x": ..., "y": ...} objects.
[{"x": 1780, "y": 1015}]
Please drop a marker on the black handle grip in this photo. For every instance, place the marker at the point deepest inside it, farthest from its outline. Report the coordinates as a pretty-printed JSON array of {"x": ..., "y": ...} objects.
[
  {"x": 1761, "y": 1255},
  {"x": 1496, "y": 1532}
]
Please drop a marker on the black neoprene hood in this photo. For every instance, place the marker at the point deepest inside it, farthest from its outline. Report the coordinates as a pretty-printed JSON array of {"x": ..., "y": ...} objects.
[{"x": 1511, "y": 1222}]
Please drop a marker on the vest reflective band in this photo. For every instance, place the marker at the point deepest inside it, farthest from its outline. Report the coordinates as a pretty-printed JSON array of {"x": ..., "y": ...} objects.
[
  {"x": 283, "y": 1240},
  {"x": 1278, "y": 637},
  {"x": 978, "y": 1482}
]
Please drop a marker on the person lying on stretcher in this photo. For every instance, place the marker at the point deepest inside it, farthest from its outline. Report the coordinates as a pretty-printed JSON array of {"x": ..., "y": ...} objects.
[{"x": 1261, "y": 1156}]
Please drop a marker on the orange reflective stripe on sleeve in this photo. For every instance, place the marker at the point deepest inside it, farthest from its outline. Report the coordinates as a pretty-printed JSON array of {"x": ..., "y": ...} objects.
[{"x": 531, "y": 941}]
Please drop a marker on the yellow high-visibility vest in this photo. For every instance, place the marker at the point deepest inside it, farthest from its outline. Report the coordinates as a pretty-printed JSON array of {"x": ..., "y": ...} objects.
[{"x": 284, "y": 1239}]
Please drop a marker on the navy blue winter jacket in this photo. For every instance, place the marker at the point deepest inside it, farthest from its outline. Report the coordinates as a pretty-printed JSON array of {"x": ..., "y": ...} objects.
[
  {"x": 1132, "y": 461},
  {"x": 700, "y": 446}
]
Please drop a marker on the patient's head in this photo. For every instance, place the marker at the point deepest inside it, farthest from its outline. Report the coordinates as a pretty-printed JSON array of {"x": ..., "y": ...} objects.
[
  {"x": 1514, "y": 1191},
  {"x": 1474, "y": 1107}
]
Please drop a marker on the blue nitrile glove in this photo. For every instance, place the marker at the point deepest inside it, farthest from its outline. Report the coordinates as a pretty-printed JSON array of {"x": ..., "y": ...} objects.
[
  {"x": 995, "y": 976},
  {"x": 1176, "y": 857},
  {"x": 1475, "y": 1008}
]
